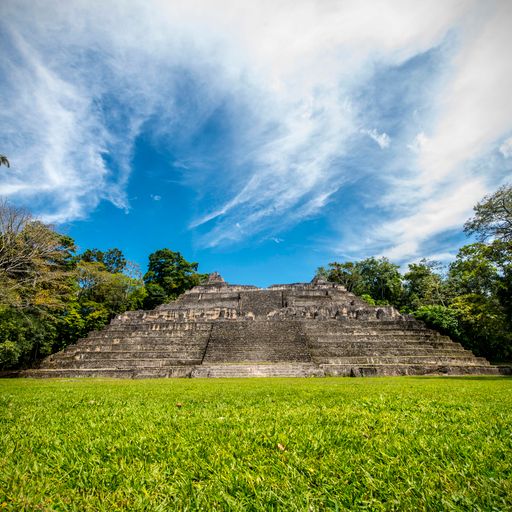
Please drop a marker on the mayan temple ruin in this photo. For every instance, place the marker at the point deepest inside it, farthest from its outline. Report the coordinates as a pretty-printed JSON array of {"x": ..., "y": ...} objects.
[{"x": 296, "y": 330}]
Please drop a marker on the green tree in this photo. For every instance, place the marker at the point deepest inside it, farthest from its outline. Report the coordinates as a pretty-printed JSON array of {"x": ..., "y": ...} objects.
[
  {"x": 4, "y": 161},
  {"x": 169, "y": 275},
  {"x": 100, "y": 295},
  {"x": 113, "y": 259},
  {"x": 25, "y": 335},
  {"x": 376, "y": 277},
  {"x": 381, "y": 279},
  {"x": 36, "y": 283},
  {"x": 424, "y": 286},
  {"x": 49, "y": 297},
  {"x": 35, "y": 260},
  {"x": 480, "y": 285},
  {"x": 493, "y": 216},
  {"x": 346, "y": 274},
  {"x": 101, "y": 290},
  {"x": 442, "y": 318}
]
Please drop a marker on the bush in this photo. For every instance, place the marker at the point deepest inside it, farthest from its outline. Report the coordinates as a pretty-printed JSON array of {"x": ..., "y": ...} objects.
[
  {"x": 25, "y": 336},
  {"x": 367, "y": 298},
  {"x": 441, "y": 318},
  {"x": 9, "y": 354}
]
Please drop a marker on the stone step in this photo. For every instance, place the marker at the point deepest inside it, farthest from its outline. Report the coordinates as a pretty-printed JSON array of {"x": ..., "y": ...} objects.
[
  {"x": 112, "y": 353},
  {"x": 371, "y": 370},
  {"x": 341, "y": 328},
  {"x": 382, "y": 342},
  {"x": 258, "y": 358},
  {"x": 378, "y": 342},
  {"x": 134, "y": 373},
  {"x": 396, "y": 351},
  {"x": 121, "y": 364},
  {"x": 137, "y": 343},
  {"x": 146, "y": 331},
  {"x": 265, "y": 370},
  {"x": 257, "y": 370},
  {"x": 355, "y": 326},
  {"x": 318, "y": 334},
  {"x": 124, "y": 354},
  {"x": 159, "y": 323},
  {"x": 322, "y": 333},
  {"x": 257, "y": 341},
  {"x": 403, "y": 359},
  {"x": 143, "y": 340}
]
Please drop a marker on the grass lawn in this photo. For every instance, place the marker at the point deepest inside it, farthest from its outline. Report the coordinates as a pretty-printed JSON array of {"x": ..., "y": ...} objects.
[{"x": 256, "y": 444}]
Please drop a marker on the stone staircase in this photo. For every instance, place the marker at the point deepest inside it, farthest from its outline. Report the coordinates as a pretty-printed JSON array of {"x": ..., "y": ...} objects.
[
  {"x": 257, "y": 341},
  {"x": 301, "y": 330}
]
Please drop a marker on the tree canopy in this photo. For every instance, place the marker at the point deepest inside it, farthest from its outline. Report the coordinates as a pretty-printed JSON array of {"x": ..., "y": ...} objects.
[
  {"x": 493, "y": 216},
  {"x": 374, "y": 277},
  {"x": 169, "y": 275},
  {"x": 112, "y": 259}
]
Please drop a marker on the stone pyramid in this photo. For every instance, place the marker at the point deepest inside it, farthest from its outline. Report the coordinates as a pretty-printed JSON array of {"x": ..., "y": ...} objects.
[{"x": 223, "y": 330}]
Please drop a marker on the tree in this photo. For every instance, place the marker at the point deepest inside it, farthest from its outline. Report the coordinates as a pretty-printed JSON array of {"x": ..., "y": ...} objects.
[
  {"x": 169, "y": 275},
  {"x": 113, "y": 291},
  {"x": 36, "y": 283},
  {"x": 480, "y": 284},
  {"x": 493, "y": 216},
  {"x": 346, "y": 274},
  {"x": 113, "y": 259},
  {"x": 424, "y": 286},
  {"x": 4, "y": 161},
  {"x": 25, "y": 335},
  {"x": 35, "y": 260},
  {"x": 375, "y": 277},
  {"x": 99, "y": 296},
  {"x": 442, "y": 318},
  {"x": 381, "y": 280}
]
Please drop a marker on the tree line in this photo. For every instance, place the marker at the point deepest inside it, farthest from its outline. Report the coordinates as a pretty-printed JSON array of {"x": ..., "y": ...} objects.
[
  {"x": 51, "y": 294},
  {"x": 470, "y": 299}
]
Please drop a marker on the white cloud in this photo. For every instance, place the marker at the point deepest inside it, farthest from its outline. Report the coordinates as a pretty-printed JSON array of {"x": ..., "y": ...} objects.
[
  {"x": 419, "y": 143},
  {"x": 382, "y": 139},
  {"x": 446, "y": 211},
  {"x": 506, "y": 148},
  {"x": 474, "y": 109},
  {"x": 155, "y": 197},
  {"x": 470, "y": 114},
  {"x": 84, "y": 78}
]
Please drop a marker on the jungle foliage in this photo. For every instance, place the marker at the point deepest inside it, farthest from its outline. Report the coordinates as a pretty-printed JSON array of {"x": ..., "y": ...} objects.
[{"x": 51, "y": 295}]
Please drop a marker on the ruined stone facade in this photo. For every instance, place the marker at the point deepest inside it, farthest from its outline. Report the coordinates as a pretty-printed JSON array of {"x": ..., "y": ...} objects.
[{"x": 222, "y": 330}]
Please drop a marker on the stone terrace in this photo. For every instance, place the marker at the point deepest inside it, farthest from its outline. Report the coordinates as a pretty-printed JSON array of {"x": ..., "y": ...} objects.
[{"x": 297, "y": 330}]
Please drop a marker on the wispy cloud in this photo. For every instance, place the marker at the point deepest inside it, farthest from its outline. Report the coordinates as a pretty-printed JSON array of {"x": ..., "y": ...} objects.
[
  {"x": 83, "y": 81},
  {"x": 382, "y": 139},
  {"x": 506, "y": 148}
]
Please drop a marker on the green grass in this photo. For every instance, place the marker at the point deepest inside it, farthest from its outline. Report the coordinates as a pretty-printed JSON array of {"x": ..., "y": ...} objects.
[{"x": 261, "y": 444}]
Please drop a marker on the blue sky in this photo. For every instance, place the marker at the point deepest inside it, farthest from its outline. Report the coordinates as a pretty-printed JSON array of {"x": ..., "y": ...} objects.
[{"x": 261, "y": 139}]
